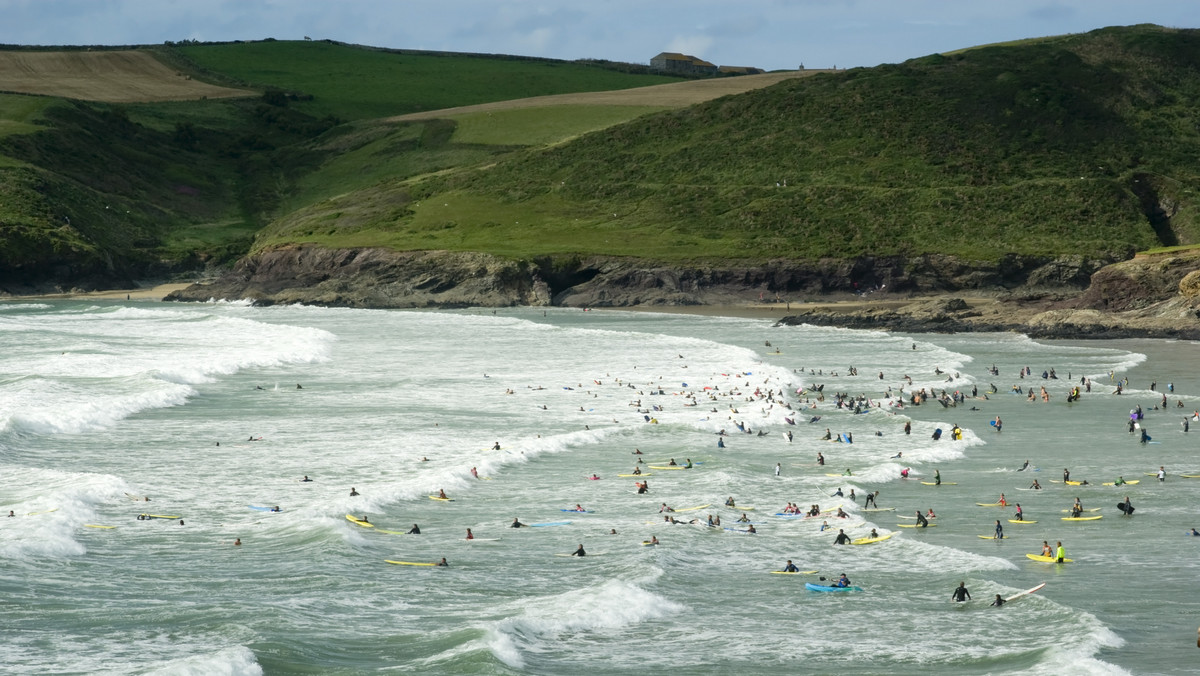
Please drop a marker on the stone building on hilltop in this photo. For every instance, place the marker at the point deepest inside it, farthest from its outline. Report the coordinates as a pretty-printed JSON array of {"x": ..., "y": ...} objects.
[{"x": 673, "y": 62}]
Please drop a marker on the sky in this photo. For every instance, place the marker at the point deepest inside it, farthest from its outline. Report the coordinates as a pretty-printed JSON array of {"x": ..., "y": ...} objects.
[{"x": 768, "y": 34}]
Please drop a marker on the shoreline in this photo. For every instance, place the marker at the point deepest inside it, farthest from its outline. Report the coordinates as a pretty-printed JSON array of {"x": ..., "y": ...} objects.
[
  {"x": 157, "y": 292},
  {"x": 945, "y": 313}
]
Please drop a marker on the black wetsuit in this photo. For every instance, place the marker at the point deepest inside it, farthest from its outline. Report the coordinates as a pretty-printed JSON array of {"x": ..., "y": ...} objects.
[
  {"x": 961, "y": 594},
  {"x": 842, "y": 539}
]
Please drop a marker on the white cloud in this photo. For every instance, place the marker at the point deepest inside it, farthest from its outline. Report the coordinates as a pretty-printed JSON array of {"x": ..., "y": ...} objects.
[{"x": 694, "y": 45}]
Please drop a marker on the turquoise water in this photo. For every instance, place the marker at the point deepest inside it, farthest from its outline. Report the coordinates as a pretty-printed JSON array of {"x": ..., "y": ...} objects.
[{"x": 104, "y": 401}]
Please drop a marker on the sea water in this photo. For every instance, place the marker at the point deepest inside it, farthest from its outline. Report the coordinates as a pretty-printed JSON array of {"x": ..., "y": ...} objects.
[{"x": 209, "y": 409}]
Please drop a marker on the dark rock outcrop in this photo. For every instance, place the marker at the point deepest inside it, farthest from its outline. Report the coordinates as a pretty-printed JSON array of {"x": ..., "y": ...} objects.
[{"x": 389, "y": 279}]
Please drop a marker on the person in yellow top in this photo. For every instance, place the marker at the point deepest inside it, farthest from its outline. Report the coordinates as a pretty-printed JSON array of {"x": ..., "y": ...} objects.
[
  {"x": 1060, "y": 554},
  {"x": 1046, "y": 551}
]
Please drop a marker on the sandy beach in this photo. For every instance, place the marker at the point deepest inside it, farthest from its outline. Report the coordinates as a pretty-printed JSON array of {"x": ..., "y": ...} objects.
[{"x": 157, "y": 292}]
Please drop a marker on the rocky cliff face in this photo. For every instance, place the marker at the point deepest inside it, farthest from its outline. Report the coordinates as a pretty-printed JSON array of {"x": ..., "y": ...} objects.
[
  {"x": 387, "y": 279},
  {"x": 1147, "y": 297}
]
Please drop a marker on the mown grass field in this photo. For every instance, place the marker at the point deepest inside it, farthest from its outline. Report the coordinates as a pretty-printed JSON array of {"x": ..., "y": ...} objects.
[{"x": 354, "y": 83}]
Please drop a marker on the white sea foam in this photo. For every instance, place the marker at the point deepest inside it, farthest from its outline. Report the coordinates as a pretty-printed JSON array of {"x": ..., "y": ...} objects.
[
  {"x": 607, "y": 607},
  {"x": 231, "y": 661}
]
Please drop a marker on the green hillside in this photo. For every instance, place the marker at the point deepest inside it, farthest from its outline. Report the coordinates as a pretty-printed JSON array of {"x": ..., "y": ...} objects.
[
  {"x": 354, "y": 83},
  {"x": 1076, "y": 145},
  {"x": 1080, "y": 144},
  {"x": 97, "y": 194}
]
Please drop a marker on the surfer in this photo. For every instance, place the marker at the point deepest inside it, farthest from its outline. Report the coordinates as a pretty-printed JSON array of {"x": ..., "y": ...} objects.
[
  {"x": 1126, "y": 507},
  {"x": 907, "y": 429},
  {"x": 672, "y": 463},
  {"x": 1162, "y": 473},
  {"x": 841, "y": 514},
  {"x": 790, "y": 567},
  {"x": 729, "y": 502},
  {"x": 470, "y": 535},
  {"x": 904, "y": 473},
  {"x": 1195, "y": 532},
  {"x": 828, "y": 436},
  {"x": 778, "y": 468},
  {"x": 1035, "y": 485},
  {"x": 474, "y": 472},
  {"x": 1077, "y": 508},
  {"x": 937, "y": 477},
  {"x": 847, "y": 472},
  {"x": 415, "y": 530},
  {"x": 664, "y": 508},
  {"x": 11, "y": 513},
  {"x": 820, "y": 459},
  {"x": 750, "y": 529},
  {"x": 1003, "y": 501},
  {"x": 353, "y": 492},
  {"x": 999, "y": 531},
  {"x": 579, "y": 552},
  {"x": 842, "y": 538},
  {"x": 961, "y": 594},
  {"x": 898, "y": 454},
  {"x": 871, "y": 500},
  {"x": 643, "y": 487},
  {"x": 744, "y": 519},
  {"x": 305, "y": 478},
  {"x": 930, "y": 514},
  {"x": 922, "y": 522},
  {"x": 442, "y": 494},
  {"x": 1024, "y": 467},
  {"x": 653, "y": 539},
  {"x": 873, "y": 534},
  {"x": 579, "y": 508},
  {"x": 1120, "y": 481},
  {"x": 689, "y": 464},
  {"x": 517, "y": 523},
  {"x": 496, "y": 446},
  {"x": 1060, "y": 554},
  {"x": 637, "y": 471},
  {"x": 442, "y": 562},
  {"x": 1046, "y": 551},
  {"x": 837, "y": 493},
  {"x": 1066, "y": 475},
  {"x": 998, "y": 602},
  {"x": 276, "y": 509},
  {"x": 824, "y": 527},
  {"x": 1020, "y": 516}
]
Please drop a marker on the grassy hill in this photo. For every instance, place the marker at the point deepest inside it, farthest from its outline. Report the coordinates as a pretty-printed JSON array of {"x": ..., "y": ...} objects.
[
  {"x": 94, "y": 193},
  {"x": 1080, "y": 145},
  {"x": 1073, "y": 145}
]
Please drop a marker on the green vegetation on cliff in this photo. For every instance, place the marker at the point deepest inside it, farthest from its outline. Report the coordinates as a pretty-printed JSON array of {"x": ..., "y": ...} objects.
[
  {"x": 97, "y": 194},
  {"x": 1080, "y": 144}
]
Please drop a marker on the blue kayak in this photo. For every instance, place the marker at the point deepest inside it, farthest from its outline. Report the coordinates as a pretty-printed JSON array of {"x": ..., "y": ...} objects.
[{"x": 823, "y": 588}]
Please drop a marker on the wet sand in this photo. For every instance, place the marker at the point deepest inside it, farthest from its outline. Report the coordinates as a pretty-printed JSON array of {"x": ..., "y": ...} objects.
[{"x": 157, "y": 292}]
